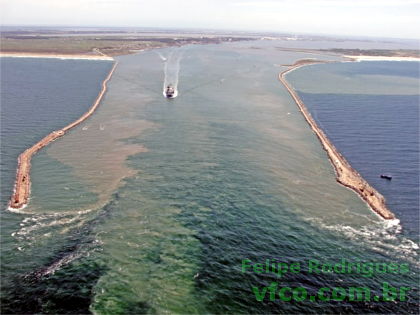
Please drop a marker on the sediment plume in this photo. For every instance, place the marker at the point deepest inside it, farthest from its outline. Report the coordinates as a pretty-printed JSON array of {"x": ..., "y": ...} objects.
[
  {"x": 345, "y": 174},
  {"x": 22, "y": 188}
]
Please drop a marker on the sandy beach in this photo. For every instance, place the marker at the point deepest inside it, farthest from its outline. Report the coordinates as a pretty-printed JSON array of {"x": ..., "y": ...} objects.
[
  {"x": 55, "y": 56},
  {"x": 345, "y": 174},
  {"x": 381, "y": 58}
]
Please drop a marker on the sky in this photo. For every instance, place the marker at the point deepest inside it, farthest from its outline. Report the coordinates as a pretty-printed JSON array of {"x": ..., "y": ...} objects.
[{"x": 379, "y": 18}]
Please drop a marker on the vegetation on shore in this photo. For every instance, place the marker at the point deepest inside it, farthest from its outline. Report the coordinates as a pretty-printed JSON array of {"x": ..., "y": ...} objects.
[
  {"x": 109, "y": 44},
  {"x": 376, "y": 52}
]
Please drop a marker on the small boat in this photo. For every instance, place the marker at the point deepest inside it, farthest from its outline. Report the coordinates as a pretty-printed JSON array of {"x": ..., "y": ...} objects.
[
  {"x": 170, "y": 91},
  {"x": 388, "y": 177}
]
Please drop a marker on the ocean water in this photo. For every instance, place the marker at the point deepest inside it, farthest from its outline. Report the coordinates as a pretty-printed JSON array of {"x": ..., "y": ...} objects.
[
  {"x": 39, "y": 96},
  {"x": 188, "y": 188},
  {"x": 377, "y": 133}
]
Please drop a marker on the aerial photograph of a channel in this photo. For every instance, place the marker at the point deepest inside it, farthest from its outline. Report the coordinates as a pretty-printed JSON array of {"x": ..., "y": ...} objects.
[{"x": 210, "y": 157}]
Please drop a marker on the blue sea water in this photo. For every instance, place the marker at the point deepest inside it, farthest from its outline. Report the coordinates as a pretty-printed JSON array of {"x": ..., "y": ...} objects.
[
  {"x": 377, "y": 133},
  {"x": 409, "y": 69},
  {"x": 39, "y": 96}
]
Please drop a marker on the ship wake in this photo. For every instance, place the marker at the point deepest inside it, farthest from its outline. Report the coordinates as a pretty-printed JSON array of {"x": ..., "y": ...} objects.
[{"x": 171, "y": 70}]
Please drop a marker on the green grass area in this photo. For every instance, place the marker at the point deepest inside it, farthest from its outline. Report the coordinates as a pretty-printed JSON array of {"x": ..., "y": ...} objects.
[
  {"x": 70, "y": 45},
  {"x": 110, "y": 45},
  {"x": 376, "y": 52}
]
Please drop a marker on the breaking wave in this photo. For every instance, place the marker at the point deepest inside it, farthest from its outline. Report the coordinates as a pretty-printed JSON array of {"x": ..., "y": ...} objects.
[{"x": 384, "y": 237}]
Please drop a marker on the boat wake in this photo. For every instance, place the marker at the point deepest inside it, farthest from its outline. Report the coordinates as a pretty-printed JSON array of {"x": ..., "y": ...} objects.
[
  {"x": 171, "y": 71},
  {"x": 162, "y": 57},
  {"x": 17, "y": 210}
]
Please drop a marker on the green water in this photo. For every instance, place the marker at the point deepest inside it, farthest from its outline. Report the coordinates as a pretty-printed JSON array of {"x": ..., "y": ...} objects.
[{"x": 169, "y": 196}]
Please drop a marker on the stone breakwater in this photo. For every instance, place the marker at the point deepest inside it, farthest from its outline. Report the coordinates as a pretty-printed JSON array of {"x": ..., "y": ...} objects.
[
  {"x": 22, "y": 188},
  {"x": 345, "y": 174}
]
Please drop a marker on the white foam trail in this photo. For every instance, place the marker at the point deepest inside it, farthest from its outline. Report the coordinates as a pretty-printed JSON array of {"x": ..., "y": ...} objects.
[
  {"x": 18, "y": 210},
  {"x": 32, "y": 226},
  {"x": 162, "y": 57},
  {"x": 171, "y": 70},
  {"x": 41, "y": 225},
  {"x": 384, "y": 237}
]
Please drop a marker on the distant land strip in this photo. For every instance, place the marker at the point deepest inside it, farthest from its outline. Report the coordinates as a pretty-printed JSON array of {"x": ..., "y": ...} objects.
[
  {"x": 109, "y": 44},
  {"x": 362, "y": 54},
  {"x": 22, "y": 188},
  {"x": 54, "y": 55},
  {"x": 345, "y": 174}
]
